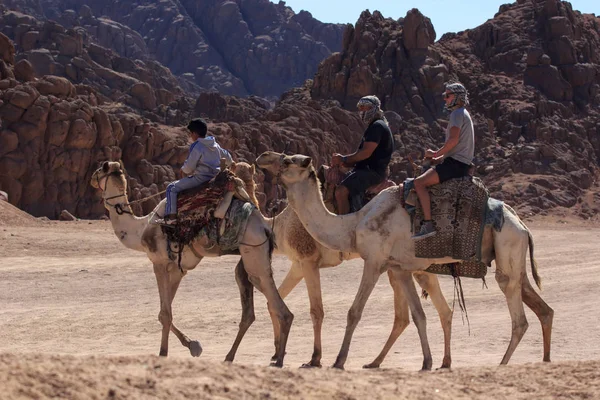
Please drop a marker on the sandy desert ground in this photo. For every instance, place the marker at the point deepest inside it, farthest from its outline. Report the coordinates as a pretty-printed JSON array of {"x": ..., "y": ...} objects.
[{"x": 78, "y": 320}]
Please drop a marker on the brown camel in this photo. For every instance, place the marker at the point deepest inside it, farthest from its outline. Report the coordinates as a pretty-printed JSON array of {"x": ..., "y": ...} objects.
[
  {"x": 380, "y": 233},
  {"x": 141, "y": 234},
  {"x": 308, "y": 256}
]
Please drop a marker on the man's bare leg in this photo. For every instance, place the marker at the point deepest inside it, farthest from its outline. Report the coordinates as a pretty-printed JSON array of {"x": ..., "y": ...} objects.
[{"x": 429, "y": 178}]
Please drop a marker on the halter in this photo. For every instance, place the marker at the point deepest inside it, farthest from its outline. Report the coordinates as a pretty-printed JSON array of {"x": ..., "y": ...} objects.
[{"x": 119, "y": 206}]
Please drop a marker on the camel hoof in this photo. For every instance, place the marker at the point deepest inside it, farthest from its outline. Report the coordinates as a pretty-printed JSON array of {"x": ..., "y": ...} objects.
[
  {"x": 195, "y": 348},
  {"x": 310, "y": 365},
  {"x": 340, "y": 367},
  {"x": 371, "y": 366},
  {"x": 276, "y": 364}
]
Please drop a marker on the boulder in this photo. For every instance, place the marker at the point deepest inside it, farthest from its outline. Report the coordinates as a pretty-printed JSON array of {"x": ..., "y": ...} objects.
[
  {"x": 7, "y": 49},
  {"x": 24, "y": 71}
]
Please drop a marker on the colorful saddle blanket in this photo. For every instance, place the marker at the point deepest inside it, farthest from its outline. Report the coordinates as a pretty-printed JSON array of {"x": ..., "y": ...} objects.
[{"x": 195, "y": 216}]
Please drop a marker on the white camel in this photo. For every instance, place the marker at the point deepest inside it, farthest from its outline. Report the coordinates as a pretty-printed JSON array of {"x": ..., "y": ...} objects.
[
  {"x": 308, "y": 256},
  {"x": 141, "y": 234},
  {"x": 380, "y": 233}
]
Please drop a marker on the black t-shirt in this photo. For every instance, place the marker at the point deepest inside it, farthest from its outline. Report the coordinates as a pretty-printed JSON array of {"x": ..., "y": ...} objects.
[{"x": 378, "y": 132}]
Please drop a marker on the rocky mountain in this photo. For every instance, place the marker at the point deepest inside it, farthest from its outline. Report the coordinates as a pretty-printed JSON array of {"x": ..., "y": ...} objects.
[
  {"x": 533, "y": 73},
  {"x": 67, "y": 103},
  {"x": 242, "y": 47},
  {"x": 69, "y": 99}
]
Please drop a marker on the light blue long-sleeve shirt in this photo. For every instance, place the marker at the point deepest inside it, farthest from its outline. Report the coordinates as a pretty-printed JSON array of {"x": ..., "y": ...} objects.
[{"x": 204, "y": 160}]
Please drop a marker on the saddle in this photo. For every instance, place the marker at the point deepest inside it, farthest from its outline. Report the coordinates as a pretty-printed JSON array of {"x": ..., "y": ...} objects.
[
  {"x": 217, "y": 210},
  {"x": 459, "y": 208},
  {"x": 330, "y": 177}
]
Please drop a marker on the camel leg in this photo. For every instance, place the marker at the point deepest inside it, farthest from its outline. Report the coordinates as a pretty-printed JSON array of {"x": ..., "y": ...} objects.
[
  {"x": 401, "y": 320},
  {"x": 544, "y": 313},
  {"x": 313, "y": 285},
  {"x": 257, "y": 262},
  {"x": 247, "y": 299},
  {"x": 370, "y": 276},
  {"x": 293, "y": 277},
  {"x": 431, "y": 284},
  {"x": 418, "y": 314},
  {"x": 291, "y": 280},
  {"x": 194, "y": 346},
  {"x": 165, "y": 316},
  {"x": 511, "y": 287}
]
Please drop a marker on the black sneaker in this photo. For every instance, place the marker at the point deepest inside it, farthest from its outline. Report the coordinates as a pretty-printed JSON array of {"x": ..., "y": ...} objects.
[{"x": 427, "y": 230}]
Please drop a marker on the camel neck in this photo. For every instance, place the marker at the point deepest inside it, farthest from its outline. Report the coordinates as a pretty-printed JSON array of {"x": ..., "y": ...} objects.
[
  {"x": 334, "y": 231},
  {"x": 128, "y": 227}
]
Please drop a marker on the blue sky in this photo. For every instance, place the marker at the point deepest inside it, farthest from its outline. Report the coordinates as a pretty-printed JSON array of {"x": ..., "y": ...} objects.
[{"x": 446, "y": 16}]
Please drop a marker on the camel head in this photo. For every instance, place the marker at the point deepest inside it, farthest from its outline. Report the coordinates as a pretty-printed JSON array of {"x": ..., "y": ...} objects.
[
  {"x": 110, "y": 178},
  {"x": 290, "y": 169},
  {"x": 246, "y": 172}
]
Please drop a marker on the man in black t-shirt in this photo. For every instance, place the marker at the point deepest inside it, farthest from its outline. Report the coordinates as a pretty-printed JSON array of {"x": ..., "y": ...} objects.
[{"x": 370, "y": 160}]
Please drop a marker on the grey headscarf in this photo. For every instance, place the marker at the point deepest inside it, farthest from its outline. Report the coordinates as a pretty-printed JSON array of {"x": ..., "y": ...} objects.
[
  {"x": 460, "y": 94},
  {"x": 374, "y": 112}
]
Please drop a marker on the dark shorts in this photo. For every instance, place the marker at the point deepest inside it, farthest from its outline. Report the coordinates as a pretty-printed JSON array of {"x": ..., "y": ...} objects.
[
  {"x": 451, "y": 168},
  {"x": 359, "y": 180}
]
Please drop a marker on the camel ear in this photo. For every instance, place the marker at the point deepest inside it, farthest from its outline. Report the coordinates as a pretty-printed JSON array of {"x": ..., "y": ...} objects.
[
  {"x": 305, "y": 162},
  {"x": 105, "y": 167},
  {"x": 253, "y": 169},
  {"x": 233, "y": 167},
  {"x": 321, "y": 172}
]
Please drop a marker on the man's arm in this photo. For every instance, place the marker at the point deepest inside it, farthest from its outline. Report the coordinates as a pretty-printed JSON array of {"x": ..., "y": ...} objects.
[
  {"x": 456, "y": 121},
  {"x": 372, "y": 139},
  {"x": 192, "y": 161},
  {"x": 359, "y": 155},
  {"x": 227, "y": 156},
  {"x": 450, "y": 143}
]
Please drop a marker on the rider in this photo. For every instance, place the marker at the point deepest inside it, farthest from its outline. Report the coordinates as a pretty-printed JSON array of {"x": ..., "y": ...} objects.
[
  {"x": 370, "y": 160},
  {"x": 202, "y": 164},
  {"x": 457, "y": 153}
]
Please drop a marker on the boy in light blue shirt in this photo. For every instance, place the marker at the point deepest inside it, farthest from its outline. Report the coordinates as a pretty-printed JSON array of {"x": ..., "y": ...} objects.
[{"x": 202, "y": 164}]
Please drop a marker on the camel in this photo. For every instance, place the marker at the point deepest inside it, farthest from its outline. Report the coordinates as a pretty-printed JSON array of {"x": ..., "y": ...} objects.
[
  {"x": 141, "y": 234},
  {"x": 380, "y": 234},
  {"x": 308, "y": 256}
]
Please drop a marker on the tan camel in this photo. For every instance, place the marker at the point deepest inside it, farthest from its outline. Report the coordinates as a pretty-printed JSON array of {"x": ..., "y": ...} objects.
[
  {"x": 308, "y": 256},
  {"x": 141, "y": 234},
  {"x": 380, "y": 233}
]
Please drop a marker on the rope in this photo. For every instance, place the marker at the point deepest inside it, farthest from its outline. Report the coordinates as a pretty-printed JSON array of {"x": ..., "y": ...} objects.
[{"x": 145, "y": 198}]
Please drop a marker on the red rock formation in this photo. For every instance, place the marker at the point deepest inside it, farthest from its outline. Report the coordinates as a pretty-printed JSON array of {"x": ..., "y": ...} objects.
[
  {"x": 532, "y": 73},
  {"x": 534, "y": 78}
]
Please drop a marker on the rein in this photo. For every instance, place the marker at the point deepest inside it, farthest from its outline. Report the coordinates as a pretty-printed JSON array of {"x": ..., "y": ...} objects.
[{"x": 119, "y": 207}]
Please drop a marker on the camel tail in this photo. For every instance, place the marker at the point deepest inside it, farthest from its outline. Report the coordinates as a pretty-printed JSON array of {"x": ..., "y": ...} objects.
[{"x": 534, "y": 271}]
